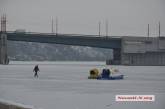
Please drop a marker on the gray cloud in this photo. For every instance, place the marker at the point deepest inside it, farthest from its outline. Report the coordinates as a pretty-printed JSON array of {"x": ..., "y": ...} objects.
[{"x": 126, "y": 17}]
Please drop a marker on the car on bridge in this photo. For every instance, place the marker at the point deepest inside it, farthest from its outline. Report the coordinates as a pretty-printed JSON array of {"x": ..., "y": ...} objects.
[{"x": 20, "y": 31}]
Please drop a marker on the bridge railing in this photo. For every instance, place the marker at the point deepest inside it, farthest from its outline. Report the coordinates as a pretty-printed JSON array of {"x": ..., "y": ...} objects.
[{"x": 60, "y": 34}]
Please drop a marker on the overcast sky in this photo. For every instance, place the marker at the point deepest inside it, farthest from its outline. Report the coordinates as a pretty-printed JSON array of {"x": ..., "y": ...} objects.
[{"x": 126, "y": 17}]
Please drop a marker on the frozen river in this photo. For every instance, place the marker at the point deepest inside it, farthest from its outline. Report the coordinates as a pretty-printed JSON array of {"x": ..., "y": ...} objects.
[{"x": 64, "y": 85}]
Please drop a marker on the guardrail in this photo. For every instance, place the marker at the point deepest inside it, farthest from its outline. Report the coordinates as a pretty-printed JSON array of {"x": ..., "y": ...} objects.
[{"x": 60, "y": 34}]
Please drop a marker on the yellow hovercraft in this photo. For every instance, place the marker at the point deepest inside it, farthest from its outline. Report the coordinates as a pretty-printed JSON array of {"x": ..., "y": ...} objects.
[{"x": 94, "y": 73}]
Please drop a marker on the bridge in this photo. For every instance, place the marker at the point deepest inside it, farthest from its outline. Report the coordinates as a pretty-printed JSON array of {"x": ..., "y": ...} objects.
[
  {"x": 127, "y": 50},
  {"x": 109, "y": 42},
  {"x": 67, "y": 39}
]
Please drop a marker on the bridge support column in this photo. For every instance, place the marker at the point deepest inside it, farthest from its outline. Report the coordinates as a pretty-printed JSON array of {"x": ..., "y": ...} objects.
[
  {"x": 3, "y": 49},
  {"x": 116, "y": 57}
]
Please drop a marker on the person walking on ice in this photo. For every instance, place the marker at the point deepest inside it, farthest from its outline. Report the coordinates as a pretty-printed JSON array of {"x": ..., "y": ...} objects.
[{"x": 36, "y": 70}]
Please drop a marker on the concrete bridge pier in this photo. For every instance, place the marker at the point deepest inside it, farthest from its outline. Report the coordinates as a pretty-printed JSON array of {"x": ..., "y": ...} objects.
[
  {"x": 3, "y": 49},
  {"x": 116, "y": 57}
]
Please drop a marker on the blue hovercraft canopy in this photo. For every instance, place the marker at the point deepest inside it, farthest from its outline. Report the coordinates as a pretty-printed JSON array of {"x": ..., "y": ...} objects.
[{"x": 105, "y": 73}]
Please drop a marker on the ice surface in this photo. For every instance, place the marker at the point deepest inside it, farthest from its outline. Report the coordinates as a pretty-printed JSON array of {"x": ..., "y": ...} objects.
[{"x": 64, "y": 85}]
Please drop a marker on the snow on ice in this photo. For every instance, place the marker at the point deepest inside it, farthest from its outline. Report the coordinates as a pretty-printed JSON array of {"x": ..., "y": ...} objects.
[{"x": 64, "y": 85}]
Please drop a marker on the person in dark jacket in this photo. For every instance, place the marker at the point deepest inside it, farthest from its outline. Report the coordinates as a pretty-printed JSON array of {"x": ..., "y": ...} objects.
[{"x": 36, "y": 70}]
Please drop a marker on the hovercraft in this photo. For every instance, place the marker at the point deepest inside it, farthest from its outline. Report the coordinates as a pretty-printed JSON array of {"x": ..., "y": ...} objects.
[{"x": 105, "y": 75}]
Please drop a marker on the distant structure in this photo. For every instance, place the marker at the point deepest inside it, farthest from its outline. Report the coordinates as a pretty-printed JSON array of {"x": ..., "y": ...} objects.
[
  {"x": 127, "y": 50},
  {"x": 3, "y": 23},
  {"x": 3, "y": 42},
  {"x": 106, "y": 28},
  {"x": 52, "y": 26},
  {"x": 56, "y": 26},
  {"x": 99, "y": 28},
  {"x": 143, "y": 51}
]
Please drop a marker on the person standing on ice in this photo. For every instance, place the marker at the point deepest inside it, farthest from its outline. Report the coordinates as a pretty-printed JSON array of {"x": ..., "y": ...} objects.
[{"x": 36, "y": 70}]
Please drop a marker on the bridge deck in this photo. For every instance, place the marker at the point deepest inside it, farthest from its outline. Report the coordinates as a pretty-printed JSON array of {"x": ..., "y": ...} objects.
[{"x": 67, "y": 39}]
